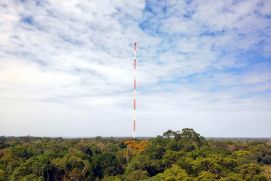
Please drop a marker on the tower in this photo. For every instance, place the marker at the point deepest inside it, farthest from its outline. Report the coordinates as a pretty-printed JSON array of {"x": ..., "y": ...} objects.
[{"x": 134, "y": 97}]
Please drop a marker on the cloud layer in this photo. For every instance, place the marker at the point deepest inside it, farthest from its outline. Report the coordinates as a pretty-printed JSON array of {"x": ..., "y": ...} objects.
[{"x": 66, "y": 67}]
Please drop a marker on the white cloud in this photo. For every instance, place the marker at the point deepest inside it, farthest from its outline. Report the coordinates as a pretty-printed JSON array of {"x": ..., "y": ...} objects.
[{"x": 70, "y": 63}]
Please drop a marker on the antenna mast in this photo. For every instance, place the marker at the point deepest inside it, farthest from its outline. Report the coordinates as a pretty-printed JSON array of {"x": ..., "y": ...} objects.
[{"x": 134, "y": 111}]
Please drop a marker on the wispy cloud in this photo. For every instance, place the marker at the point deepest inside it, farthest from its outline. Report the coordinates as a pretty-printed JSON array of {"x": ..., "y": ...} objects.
[{"x": 67, "y": 64}]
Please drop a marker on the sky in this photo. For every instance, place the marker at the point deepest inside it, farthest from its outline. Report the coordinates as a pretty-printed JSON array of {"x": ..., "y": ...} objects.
[{"x": 66, "y": 67}]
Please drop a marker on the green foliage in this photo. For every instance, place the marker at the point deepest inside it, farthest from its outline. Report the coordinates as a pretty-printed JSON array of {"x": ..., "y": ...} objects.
[
  {"x": 73, "y": 167},
  {"x": 106, "y": 164},
  {"x": 176, "y": 155},
  {"x": 111, "y": 178},
  {"x": 137, "y": 175},
  {"x": 174, "y": 173},
  {"x": 2, "y": 175},
  {"x": 252, "y": 172},
  {"x": 207, "y": 176}
]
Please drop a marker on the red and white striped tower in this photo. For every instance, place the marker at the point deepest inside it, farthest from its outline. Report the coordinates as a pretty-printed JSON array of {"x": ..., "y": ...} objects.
[{"x": 134, "y": 111}]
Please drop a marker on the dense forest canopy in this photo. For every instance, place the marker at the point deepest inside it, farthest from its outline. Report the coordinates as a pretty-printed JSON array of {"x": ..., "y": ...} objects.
[{"x": 176, "y": 155}]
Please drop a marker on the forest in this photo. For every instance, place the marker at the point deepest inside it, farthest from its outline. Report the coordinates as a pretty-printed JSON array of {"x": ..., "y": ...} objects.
[{"x": 174, "y": 155}]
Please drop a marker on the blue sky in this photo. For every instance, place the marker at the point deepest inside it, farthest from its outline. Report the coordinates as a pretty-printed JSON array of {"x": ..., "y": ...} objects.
[{"x": 66, "y": 67}]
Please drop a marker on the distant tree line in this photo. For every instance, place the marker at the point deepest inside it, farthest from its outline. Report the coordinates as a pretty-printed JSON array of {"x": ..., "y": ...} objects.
[{"x": 175, "y": 155}]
